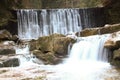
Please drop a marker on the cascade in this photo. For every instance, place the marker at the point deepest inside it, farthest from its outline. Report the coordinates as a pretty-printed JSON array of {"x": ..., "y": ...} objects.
[
  {"x": 90, "y": 48},
  {"x": 35, "y": 23},
  {"x": 25, "y": 56}
]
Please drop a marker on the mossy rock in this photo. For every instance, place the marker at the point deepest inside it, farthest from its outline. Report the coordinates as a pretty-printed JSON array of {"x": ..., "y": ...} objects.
[{"x": 51, "y": 49}]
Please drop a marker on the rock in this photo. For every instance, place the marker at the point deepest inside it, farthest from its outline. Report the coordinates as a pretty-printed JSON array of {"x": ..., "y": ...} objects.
[
  {"x": 12, "y": 62},
  {"x": 7, "y": 51},
  {"x": 1, "y": 65},
  {"x": 7, "y": 47},
  {"x": 48, "y": 58},
  {"x": 88, "y": 32},
  {"x": 15, "y": 38},
  {"x": 114, "y": 41},
  {"x": 110, "y": 29},
  {"x": 5, "y": 35},
  {"x": 116, "y": 54},
  {"x": 51, "y": 49},
  {"x": 101, "y": 30},
  {"x": 60, "y": 45},
  {"x": 115, "y": 63},
  {"x": 9, "y": 61}
]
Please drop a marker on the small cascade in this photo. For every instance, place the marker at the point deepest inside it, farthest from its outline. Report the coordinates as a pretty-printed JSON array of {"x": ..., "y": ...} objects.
[
  {"x": 25, "y": 57},
  {"x": 90, "y": 48},
  {"x": 35, "y": 23}
]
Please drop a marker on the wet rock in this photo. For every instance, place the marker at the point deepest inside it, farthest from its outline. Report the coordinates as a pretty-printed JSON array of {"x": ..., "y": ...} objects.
[
  {"x": 7, "y": 47},
  {"x": 5, "y": 35},
  {"x": 13, "y": 62},
  {"x": 8, "y": 61},
  {"x": 7, "y": 51},
  {"x": 47, "y": 58},
  {"x": 101, "y": 30}
]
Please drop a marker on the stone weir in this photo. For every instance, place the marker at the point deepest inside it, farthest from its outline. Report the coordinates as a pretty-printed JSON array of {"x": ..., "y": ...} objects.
[{"x": 33, "y": 23}]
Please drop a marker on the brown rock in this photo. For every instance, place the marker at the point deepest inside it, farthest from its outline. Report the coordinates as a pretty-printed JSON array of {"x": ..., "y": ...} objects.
[
  {"x": 101, "y": 30},
  {"x": 113, "y": 41},
  {"x": 60, "y": 45},
  {"x": 88, "y": 32},
  {"x": 51, "y": 49},
  {"x": 47, "y": 58}
]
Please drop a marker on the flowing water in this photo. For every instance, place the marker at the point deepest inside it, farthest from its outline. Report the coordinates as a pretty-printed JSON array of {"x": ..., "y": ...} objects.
[
  {"x": 35, "y": 23},
  {"x": 87, "y": 60}
]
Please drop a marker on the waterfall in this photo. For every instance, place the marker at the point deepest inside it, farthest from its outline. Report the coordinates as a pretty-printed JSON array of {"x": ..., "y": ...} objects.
[
  {"x": 89, "y": 48},
  {"x": 25, "y": 57},
  {"x": 87, "y": 60},
  {"x": 35, "y": 23}
]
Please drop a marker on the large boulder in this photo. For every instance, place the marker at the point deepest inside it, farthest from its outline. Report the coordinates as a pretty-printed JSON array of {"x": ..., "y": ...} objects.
[
  {"x": 101, "y": 30},
  {"x": 51, "y": 49},
  {"x": 114, "y": 41}
]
